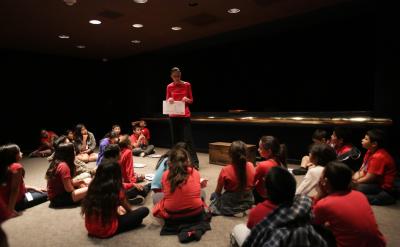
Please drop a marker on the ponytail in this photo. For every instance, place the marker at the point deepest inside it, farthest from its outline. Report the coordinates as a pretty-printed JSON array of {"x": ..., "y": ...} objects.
[{"x": 238, "y": 154}]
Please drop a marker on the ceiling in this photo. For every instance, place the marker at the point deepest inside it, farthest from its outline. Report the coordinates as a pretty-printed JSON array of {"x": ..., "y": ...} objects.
[{"x": 32, "y": 25}]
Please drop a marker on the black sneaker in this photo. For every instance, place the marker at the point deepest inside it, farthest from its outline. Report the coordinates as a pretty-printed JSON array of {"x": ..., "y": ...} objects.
[
  {"x": 138, "y": 200},
  {"x": 300, "y": 171}
]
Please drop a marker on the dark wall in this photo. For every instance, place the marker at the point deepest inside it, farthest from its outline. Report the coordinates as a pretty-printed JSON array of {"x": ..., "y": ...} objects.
[{"x": 330, "y": 60}]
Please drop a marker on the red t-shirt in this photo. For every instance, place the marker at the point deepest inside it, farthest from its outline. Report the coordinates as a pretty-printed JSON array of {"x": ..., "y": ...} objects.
[
  {"x": 95, "y": 226},
  {"x": 179, "y": 90},
  {"x": 55, "y": 185},
  {"x": 262, "y": 170},
  {"x": 146, "y": 133},
  {"x": 381, "y": 164},
  {"x": 185, "y": 198},
  {"x": 343, "y": 149},
  {"x": 258, "y": 213},
  {"x": 230, "y": 180},
  {"x": 126, "y": 163},
  {"x": 350, "y": 219},
  {"x": 5, "y": 190},
  {"x": 49, "y": 138},
  {"x": 134, "y": 139}
]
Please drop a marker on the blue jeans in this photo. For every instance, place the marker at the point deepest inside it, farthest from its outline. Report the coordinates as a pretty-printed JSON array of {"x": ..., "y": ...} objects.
[{"x": 376, "y": 195}]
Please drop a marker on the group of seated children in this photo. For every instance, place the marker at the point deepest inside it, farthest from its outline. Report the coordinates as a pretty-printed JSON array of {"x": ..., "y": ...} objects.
[{"x": 282, "y": 216}]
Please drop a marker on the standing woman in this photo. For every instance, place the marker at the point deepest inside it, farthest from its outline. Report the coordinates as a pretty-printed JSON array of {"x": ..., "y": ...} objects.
[{"x": 181, "y": 129}]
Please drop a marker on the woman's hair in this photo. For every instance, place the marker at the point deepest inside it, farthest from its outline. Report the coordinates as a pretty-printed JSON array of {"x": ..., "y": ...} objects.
[
  {"x": 280, "y": 185},
  {"x": 238, "y": 155},
  {"x": 320, "y": 134},
  {"x": 278, "y": 151},
  {"x": 377, "y": 136},
  {"x": 64, "y": 152},
  {"x": 339, "y": 176},
  {"x": 175, "y": 69},
  {"x": 103, "y": 196},
  {"x": 124, "y": 142},
  {"x": 178, "y": 145},
  {"x": 112, "y": 151},
  {"x": 178, "y": 161},
  {"x": 8, "y": 155},
  {"x": 322, "y": 154},
  {"x": 78, "y": 133}
]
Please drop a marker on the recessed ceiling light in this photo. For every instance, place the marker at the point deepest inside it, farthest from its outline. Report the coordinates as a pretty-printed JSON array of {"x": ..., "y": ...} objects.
[
  {"x": 140, "y": 1},
  {"x": 104, "y": 59},
  {"x": 137, "y": 25},
  {"x": 233, "y": 11},
  {"x": 63, "y": 36},
  {"x": 80, "y": 46},
  {"x": 95, "y": 22},
  {"x": 136, "y": 41},
  {"x": 176, "y": 28}
]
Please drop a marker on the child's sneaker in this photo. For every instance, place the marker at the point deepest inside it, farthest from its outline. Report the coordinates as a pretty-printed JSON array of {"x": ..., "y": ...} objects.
[{"x": 138, "y": 200}]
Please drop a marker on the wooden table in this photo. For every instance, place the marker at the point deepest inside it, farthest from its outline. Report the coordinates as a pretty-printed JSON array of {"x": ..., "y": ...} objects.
[{"x": 219, "y": 153}]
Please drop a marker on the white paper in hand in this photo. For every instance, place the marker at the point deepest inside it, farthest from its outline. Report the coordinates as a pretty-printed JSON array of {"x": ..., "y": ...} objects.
[
  {"x": 176, "y": 108},
  {"x": 29, "y": 196}
]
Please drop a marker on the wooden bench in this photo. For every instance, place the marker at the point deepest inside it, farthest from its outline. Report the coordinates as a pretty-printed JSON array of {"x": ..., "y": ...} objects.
[{"x": 219, "y": 153}]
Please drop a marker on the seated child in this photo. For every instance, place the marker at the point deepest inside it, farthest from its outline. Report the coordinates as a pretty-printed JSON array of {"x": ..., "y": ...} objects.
[
  {"x": 63, "y": 191},
  {"x": 377, "y": 174},
  {"x": 46, "y": 144},
  {"x": 319, "y": 136},
  {"x": 281, "y": 220},
  {"x": 274, "y": 154},
  {"x": 236, "y": 179},
  {"x": 14, "y": 193},
  {"x": 85, "y": 143},
  {"x": 105, "y": 207},
  {"x": 139, "y": 143},
  {"x": 345, "y": 212},
  {"x": 320, "y": 155}
]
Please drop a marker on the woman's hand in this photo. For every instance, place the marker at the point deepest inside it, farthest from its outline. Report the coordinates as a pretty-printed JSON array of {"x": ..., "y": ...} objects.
[
  {"x": 171, "y": 100},
  {"x": 186, "y": 99}
]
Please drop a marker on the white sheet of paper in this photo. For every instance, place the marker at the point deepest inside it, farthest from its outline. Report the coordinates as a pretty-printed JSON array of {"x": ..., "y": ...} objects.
[
  {"x": 176, "y": 108},
  {"x": 29, "y": 196}
]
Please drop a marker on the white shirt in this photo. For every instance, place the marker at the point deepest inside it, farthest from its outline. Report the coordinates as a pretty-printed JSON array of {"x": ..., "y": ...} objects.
[{"x": 310, "y": 180}]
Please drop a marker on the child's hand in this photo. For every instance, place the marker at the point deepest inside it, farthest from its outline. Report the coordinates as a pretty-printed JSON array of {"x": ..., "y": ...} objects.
[
  {"x": 171, "y": 100},
  {"x": 121, "y": 210},
  {"x": 203, "y": 183},
  {"x": 87, "y": 181}
]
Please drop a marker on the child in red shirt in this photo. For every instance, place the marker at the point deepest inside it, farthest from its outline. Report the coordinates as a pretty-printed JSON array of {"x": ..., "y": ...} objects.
[
  {"x": 274, "y": 154},
  {"x": 346, "y": 152},
  {"x": 181, "y": 189},
  {"x": 14, "y": 192},
  {"x": 181, "y": 130},
  {"x": 145, "y": 130},
  {"x": 63, "y": 191},
  {"x": 280, "y": 188},
  {"x": 140, "y": 143},
  {"x": 345, "y": 212},
  {"x": 377, "y": 174},
  {"x": 46, "y": 147},
  {"x": 105, "y": 207},
  {"x": 237, "y": 180},
  {"x": 135, "y": 192}
]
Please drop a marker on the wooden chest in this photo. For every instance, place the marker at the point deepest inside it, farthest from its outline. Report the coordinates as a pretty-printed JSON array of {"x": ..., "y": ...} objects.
[{"x": 219, "y": 153}]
